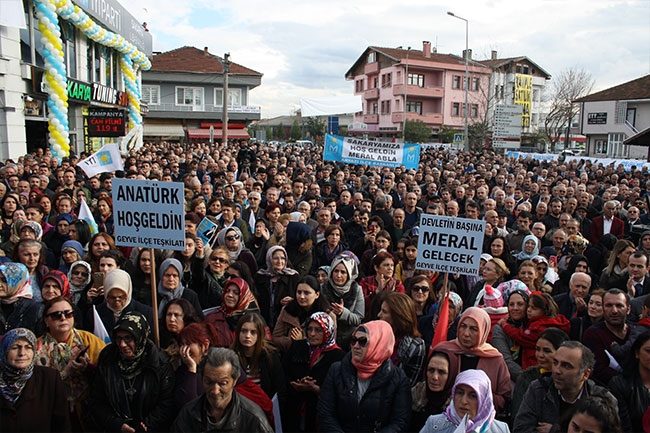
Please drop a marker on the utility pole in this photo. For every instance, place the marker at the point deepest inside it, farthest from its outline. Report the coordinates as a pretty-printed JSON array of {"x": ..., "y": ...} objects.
[
  {"x": 226, "y": 71},
  {"x": 466, "y": 132}
]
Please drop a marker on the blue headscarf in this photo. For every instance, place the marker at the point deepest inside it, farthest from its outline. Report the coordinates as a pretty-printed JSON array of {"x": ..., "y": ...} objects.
[
  {"x": 12, "y": 379},
  {"x": 523, "y": 255}
]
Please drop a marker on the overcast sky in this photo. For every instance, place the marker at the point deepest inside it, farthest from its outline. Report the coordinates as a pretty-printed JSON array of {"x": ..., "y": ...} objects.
[{"x": 304, "y": 48}]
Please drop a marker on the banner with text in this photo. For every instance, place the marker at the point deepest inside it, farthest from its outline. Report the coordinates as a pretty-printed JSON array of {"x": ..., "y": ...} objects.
[
  {"x": 149, "y": 214},
  {"x": 448, "y": 244},
  {"x": 357, "y": 151}
]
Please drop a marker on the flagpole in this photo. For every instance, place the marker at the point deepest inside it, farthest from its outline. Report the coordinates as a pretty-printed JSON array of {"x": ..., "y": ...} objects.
[{"x": 154, "y": 299}]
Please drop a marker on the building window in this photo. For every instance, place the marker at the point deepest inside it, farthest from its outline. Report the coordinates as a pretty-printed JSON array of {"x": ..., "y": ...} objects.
[
  {"x": 375, "y": 83},
  {"x": 475, "y": 84},
  {"x": 385, "y": 107},
  {"x": 151, "y": 94},
  {"x": 189, "y": 96},
  {"x": 359, "y": 85},
  {"x": 414, "y": 107},
  {"x": 386, "y": 80},
  {"x": 416, "y": 80},
  {"x": 68, "y": 33},
  {"x": 474, "y": 112},
  {"x": 375, "y": 108},
  {"x": 234, "y": 97},
  {"x": 455, "y": 109},
  {"x": 601, "y": 146},
  {"x": 456, "y": 83},
  {"x": 372, "y": 57},
  {"x": 526, "y": 69},
  {"x": 518, "y": 69}
]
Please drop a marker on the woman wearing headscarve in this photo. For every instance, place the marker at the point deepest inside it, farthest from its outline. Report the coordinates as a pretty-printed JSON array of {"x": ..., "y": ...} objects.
[
  {"x": 134, "y": 385},
  {"x": 365, "y": 391},
  {"x": 431, "y": 395},
  {"x": 79, "y": 277},
  {"x": 293, "y": 317},
  {"x": 276, "y": 285},
  {"x": 472, "y": 402},
  {"x": 529, "y": 249},
  {"x": 470, "y": 350},
  {"x": 428, "y": 324},
  {"x": 71, "y": 251},
  {"x": 345, "y": 297},
  {"x": 17, "y": 308},
  {"x": 306, "y": 365},
  {"x": 55, "y": 238},
  {"x": 170, "y": 286},
  {"x": 516, "y": 295},
  {"x": 118, "y": 301},
  {"x": 33, "y": 397},
  {"x": 238, "y": 299},
  {"x": 233, "y": 239},
  {"x": 73, "y": 352}
]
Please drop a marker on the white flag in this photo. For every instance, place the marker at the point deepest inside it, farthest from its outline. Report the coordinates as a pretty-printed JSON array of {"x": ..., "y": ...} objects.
[
  {"x": 86, "y": 215},
  {"x": 106, "y": 159},
  {"x": 99, "y": 329}
]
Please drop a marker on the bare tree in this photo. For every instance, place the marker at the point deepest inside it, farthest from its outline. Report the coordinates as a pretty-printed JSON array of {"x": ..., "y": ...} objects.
[{"x": 569, "y": 85}]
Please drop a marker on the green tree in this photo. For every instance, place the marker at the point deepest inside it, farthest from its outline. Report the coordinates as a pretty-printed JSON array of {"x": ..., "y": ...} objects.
[
  {"x": 280, "y": 133},
  {"x": 416, "y": 131},
  {"x": 295, "y": 133},
  {"x": 478, "y": 132},
  {"x": 269, "y": 133},
  {"x": 316, "y": 127},
  {"x": 446, "y": 134}
]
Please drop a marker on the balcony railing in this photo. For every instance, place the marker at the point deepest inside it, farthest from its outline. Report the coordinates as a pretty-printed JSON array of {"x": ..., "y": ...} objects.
[
  {"x": 371, "y": 94},
  {"x": 207, "y": 108},
  {"x": 421, "y": 92},
  {"x": 371, "y": 68},
  {"x": 429, "y": 118},
  {"x": 371, "y": 118}
]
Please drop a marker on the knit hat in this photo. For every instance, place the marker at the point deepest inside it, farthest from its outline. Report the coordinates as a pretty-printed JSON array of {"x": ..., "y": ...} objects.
[
  {"x": 297, "y": 233},
  {"x": 75, "y": 245},
  {"x": 492, "y": 297}
]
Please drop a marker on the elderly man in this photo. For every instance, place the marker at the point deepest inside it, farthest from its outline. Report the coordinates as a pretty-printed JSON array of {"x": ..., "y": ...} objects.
[
  {"x": 607, "y": 223},
  {"x": 574, "y": 302},
  {"x": 221, "y": 408},
  {"x": 549, "y": 399}
]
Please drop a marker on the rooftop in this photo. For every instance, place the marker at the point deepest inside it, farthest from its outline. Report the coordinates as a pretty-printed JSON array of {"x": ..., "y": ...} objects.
[
  {"x": 191, "y": 59},
  {"x": 635, "y": 89}
]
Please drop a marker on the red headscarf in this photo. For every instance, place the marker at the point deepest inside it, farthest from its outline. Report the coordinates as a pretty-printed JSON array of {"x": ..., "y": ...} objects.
[
  {"x": 246, "y": 297},
  {"x": 62, "y": 280},
  {"x": 380, "y": 347}
]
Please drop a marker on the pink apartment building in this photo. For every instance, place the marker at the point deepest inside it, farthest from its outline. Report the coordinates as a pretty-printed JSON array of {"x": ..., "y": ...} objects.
[{"x": 434, "y": 93}]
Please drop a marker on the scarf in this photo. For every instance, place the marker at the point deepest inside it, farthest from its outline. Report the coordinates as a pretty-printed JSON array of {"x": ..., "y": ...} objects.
[
  {"x": 353, "y": 272},
  {"x": 221, "y": 240},
  {"x": 61, "y": 280},
  {"x": 135, "y": 324},
  {"x": 269, "y": 271},
  {"x": 114, "y": 280},
  {"x": 380, "y": 347},
  {"x": 12, "y": 379},
  {"x": 246, "y": 298},
  {"x": 167, "y": 295},
  {"x": 77, "y": 291},
  {"x": 523, "y": 255},
  {"x": 482, "y": 349},
  {"x": 325, "y": 321},
  {"x": 51, "y": 353},
  {"x": 480, "y": 383},
  {"x": 18, "y": 287}
]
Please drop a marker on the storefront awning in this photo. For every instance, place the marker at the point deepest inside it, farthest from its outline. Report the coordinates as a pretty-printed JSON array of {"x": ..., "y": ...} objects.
[
  {"x": 640, "y": 139},
  {"x": 205, "y": 133},
  {"x": 163, "y": 131}
]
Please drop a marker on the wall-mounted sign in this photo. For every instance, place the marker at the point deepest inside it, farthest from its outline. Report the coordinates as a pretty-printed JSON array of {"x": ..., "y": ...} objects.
[
  {"x": 106, "y": 122},
  {"x": 597, "y": 118}
]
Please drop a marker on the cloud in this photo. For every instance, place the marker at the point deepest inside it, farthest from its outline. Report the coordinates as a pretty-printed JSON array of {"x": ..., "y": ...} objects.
[{"x": 304, "y": 48}]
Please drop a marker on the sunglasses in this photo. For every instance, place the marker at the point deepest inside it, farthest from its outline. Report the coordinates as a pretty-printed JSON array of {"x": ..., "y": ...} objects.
[
  {"x": 362, "y": 341},
  {"x": 59, "y": 315},
  {"x": 422, "y": 289},
  {"x": 219, "y": 259},
  {"x": 232, "y": 238}
]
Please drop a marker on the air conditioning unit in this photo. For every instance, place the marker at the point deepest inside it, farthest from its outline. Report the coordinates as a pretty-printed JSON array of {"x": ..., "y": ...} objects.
[{"x": 26, "y": 71}]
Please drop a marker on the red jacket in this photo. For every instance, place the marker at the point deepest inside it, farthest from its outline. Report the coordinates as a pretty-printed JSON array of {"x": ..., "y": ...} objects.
[{"x": 527, "y": 337}]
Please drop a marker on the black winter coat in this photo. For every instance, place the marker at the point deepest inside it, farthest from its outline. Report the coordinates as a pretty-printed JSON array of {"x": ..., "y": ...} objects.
[
  {"x": 107, "y": 406},
  {"x": 385, "y": 406},
  {"x": 285, "y": 286}
]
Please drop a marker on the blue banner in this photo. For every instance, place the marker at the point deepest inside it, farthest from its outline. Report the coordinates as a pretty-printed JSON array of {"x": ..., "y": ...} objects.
[{"x": 358, "y": 151}]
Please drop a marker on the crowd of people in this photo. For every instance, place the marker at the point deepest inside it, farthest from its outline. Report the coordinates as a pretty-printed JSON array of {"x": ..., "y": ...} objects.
[{"x": 305, "y": 309}]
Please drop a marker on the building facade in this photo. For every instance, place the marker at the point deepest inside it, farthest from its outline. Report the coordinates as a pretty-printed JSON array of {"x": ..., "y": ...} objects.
[
  {"x": 83, "y": 95},
  {"x": 518, "y": 81},
  {"x": 419, "y": 84},
  {"x": 184, "y": 91},
  {"x": 609, "y": 117}
]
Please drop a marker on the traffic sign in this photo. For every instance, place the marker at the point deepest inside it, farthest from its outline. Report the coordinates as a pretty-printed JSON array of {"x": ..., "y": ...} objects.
[{"x": 458, "y": 138}]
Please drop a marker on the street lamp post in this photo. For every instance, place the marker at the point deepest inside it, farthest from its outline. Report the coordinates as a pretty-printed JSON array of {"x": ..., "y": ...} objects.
[
  {"x": 466, "y": 76},
  {"x": 226, "y": 71},
  {"x": 406, "y": 86}
]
